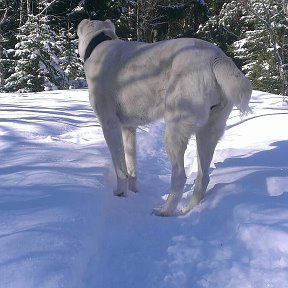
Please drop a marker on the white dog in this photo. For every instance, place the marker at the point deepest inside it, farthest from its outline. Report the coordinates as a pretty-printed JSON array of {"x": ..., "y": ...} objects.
[{"x": 189, "y": 82}]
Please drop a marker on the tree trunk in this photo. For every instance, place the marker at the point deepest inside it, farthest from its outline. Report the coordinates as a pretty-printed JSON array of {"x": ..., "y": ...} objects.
[
  {"x": 2, "y": 39},
  {"x": 1, "y": 64},
  {"x": 285, "y": 7},
  {"x": 21, "y": 13},
  {"x": 139, "y": 20},
  {"x": 28, "y": 7}
]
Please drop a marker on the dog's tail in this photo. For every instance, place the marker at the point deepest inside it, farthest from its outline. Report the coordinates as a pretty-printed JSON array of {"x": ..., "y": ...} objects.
[{"x": 236, "y": 87}]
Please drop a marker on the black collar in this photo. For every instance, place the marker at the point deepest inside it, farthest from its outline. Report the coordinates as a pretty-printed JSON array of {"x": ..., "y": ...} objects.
[{"x": 94, "y": 42}]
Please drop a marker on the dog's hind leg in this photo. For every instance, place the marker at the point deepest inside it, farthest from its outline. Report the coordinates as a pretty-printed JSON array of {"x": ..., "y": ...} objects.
[
  {"x": 175, "y": 144},
  {"x": 207, "y": 138},
  {"x": 129, "y": 142}
]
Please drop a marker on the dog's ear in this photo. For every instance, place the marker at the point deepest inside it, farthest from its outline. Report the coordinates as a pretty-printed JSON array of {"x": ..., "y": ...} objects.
[
  {"x": 109, "y": 24},
  {"x": 81, "y": 26}
]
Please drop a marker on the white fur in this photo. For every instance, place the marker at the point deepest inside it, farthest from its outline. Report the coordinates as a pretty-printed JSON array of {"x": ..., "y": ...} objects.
[{"x": 189, "y": 82}]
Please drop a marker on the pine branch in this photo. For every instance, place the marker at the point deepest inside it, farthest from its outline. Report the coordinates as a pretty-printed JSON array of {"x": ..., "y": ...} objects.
[
  {"x": 229, "y": 32},
  {"x": 44, "y": 9},
  {"x": 248, "y": 7}
]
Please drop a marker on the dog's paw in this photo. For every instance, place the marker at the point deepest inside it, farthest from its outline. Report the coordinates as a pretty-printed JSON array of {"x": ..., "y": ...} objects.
[
  {"x": 119, "y": 193},
  {"x": 194, "y": 202},
  {"x": 170, "y": 206},
  {"x": 161, "y": 212},
  {"x": 122, "y": 187},
  {"x": 132, "y": 184}
]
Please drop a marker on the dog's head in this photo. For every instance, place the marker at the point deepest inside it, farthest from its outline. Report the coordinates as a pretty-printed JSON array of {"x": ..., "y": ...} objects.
[
  {"x": 87, "y": 26},
  {"x": 87, "y": 29}
]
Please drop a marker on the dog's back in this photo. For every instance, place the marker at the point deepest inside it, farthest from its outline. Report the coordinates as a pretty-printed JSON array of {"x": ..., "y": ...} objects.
[{"x": 140, "y": 78}]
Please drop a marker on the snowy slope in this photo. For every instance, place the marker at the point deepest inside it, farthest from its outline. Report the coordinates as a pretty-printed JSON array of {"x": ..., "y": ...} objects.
[{"x": 60, "y": 225}]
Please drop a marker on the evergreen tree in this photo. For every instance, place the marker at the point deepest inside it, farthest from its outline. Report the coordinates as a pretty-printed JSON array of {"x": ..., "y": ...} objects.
[
  {"x": 225, "y": 24},
  {"x": 69, "y": 59},
  {"x": 254, "y": 33},
  {"x": 36, "y": 53},
  {"x": 264, "y": 47}
]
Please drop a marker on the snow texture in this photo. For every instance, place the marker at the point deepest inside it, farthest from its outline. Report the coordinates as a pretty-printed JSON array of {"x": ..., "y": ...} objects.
[{"x": 61, "y": 226}]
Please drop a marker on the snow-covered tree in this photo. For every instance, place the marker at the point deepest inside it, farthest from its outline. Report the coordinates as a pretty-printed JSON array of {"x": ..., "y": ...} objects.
[
  {"x": 264, "y": 46},
  {"x": 37, "y": 67},
  {"x": 69, "y": 59},
  {"x": 255, "y": 33},
  {"x": 225, "y": 24}
]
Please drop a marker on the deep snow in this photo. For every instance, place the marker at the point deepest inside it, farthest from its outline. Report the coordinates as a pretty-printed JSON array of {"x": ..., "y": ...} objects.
[{"x": 60, "y": 225}]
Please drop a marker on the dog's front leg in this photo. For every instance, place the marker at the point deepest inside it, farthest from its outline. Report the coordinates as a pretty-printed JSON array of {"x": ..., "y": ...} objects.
[
  {"x": 129, "y": 142},
  {"x": 113, "y": 136}
]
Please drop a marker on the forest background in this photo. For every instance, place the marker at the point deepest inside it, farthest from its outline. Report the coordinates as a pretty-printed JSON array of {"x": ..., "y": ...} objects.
[{"x": 38, "y": 41}]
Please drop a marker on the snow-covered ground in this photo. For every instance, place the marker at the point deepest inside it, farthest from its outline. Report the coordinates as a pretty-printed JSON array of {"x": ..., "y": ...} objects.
[{"x": 60, "y": 225}]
